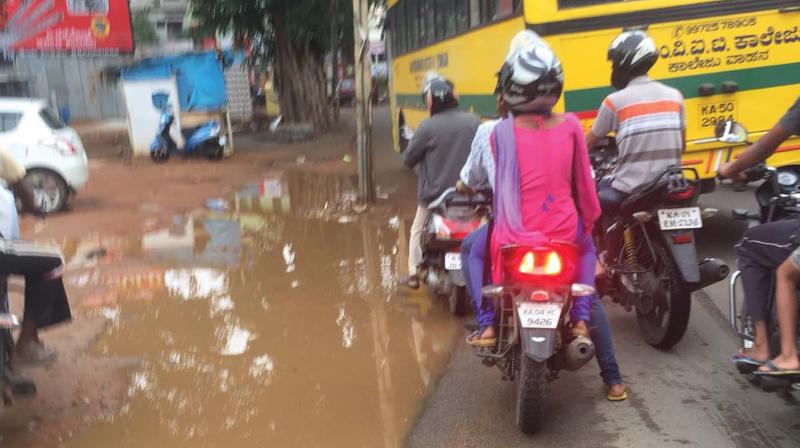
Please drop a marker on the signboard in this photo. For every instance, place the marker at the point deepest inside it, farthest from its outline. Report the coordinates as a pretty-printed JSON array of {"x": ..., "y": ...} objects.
[{"x": 90, "y": 27}]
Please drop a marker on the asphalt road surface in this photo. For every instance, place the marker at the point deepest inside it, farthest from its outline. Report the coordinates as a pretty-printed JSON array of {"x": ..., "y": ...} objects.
[{"x": 688, "y": 396}]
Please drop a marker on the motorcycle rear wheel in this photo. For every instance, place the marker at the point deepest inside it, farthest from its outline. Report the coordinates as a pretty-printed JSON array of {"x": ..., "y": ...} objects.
[
  {"x": 665, "y": 325},
  {"x": 531, "y": 394},
  {"x": 458, "y": 300}
]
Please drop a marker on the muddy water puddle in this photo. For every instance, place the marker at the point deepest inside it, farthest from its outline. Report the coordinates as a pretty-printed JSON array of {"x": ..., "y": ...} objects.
[{"x": 273, "y": 320}]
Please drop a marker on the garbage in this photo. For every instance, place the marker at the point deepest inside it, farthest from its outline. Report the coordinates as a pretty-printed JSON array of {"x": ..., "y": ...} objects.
[
  {"x": 275, "y": 123},
  {"x": 347, "y": 158}
]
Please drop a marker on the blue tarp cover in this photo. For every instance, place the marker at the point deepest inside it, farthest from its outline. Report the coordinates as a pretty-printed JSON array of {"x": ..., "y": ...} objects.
[{"x": 201, "y": 82}]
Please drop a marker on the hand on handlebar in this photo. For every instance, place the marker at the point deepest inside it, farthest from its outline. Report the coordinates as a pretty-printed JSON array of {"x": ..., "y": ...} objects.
[
  {"x": 463, "y": 188},
  {"x": 726, "y": 172}
]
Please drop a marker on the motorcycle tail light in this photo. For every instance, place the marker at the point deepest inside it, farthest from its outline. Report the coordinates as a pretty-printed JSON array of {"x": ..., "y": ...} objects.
[
  {"x": 684, "y": 194},
  {"x": 540, "y": 296},
  {"x": 449, "y": 229},
  {"x": 550, "y": 264}
]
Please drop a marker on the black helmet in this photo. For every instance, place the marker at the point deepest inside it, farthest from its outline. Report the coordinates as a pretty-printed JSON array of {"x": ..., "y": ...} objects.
[
  {"x": 632, "y": 53},
  {"x": 441, "y": 91},
  {"x": 531, "y": 72}
]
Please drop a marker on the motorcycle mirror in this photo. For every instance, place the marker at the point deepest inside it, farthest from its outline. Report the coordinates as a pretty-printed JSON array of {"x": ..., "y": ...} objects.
[
  {"x": 492, "y": 291},
  {"x": 581, "y": 290},
  {"x": 730, "y": 132}
]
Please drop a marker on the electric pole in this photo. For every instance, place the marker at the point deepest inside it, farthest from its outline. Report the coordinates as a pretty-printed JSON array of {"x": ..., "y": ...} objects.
[{"x": 363, "y": 99}]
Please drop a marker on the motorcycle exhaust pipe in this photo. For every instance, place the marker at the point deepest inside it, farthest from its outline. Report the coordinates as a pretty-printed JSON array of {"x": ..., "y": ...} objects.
[
  {"x": 712, "y": 270},
  {"x": 579, "y": 352}
]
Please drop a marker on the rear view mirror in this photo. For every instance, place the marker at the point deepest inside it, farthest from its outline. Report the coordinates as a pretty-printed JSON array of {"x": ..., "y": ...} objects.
[{"x": 730, "y": 132}]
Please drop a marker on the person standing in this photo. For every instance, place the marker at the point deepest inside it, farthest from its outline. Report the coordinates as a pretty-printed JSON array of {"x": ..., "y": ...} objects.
[{"x": 439, "y": 148}]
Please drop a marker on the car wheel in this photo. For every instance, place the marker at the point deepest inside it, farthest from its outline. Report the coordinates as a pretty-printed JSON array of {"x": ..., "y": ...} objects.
[{"x": 49, "y": 190}]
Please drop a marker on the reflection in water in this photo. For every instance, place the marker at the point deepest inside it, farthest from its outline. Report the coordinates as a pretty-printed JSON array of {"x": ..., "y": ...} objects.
[{"x": 304, "y": 340}]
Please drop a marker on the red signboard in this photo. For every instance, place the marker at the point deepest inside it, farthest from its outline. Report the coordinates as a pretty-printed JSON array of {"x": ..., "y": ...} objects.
[{"x": 91, "y": 27}]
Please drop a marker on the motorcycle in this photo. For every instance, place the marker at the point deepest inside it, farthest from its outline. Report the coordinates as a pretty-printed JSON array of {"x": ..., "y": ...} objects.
[
  {"x": 207, "y": 139},
  {"x": 532, "y": 309},
  {"x": 452, "y": 217},
  {"x": 648, "y": 249},
  {"x": 778, "y": 198}
]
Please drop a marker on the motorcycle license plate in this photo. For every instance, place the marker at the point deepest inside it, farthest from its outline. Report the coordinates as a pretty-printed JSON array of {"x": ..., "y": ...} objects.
[
  {"x": 539, "y": 315},
  {"x": 680, "y": 218},
  {"x": 452, "y": 261}
]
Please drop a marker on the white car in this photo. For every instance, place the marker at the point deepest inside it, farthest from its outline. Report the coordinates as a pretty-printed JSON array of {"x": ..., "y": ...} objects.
[{"x": 51, "y": 152}]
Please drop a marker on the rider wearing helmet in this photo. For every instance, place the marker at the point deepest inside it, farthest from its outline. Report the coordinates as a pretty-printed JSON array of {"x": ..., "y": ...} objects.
[
  {"x": 537, "y": 165},
  {"x": 440, "y": 147},
  {"x": 647, "y": 116}
]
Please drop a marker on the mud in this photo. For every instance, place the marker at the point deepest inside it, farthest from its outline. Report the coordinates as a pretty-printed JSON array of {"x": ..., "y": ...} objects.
[{"x": 275, "y": 320}]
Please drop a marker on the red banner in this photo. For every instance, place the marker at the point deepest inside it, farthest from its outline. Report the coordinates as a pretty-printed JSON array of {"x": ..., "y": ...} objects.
[{"x": 91, "y": 27}]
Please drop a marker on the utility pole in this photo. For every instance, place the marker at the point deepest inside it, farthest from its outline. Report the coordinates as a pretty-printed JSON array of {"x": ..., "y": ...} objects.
[
  {"x": 363, "y": 99},
  {"x": 334, "y": 11}
]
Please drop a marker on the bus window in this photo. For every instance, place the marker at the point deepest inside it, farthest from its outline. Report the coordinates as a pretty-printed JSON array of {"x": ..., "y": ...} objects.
[
  {"x": 462, "y": 15},
  {"x": 400, "y": 26},
  {"x": 412, "y": 17},
  {"x": 445, "y": 19},
  {"x": 562, "y": 4},
  {"x": 426, "y": 24},
  {"x": 502, "y": 8}
]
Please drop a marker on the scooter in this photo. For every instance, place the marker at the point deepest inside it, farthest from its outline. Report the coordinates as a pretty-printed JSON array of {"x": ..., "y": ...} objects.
[
  {"x": 453, "y": 216},
  {"x": 206, "y": 140}
]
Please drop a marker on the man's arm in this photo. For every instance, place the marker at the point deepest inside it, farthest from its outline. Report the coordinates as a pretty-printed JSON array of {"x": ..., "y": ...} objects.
[
  {"x": 23, "y": 190},
  {"x": 605, "y": 122},
  {"x": 757, "y": 153},
  {"x": 417, "y": 148}
]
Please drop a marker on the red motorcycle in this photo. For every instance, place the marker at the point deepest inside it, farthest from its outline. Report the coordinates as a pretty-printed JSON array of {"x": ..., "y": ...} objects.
[
  {"x": 532, "y": 310},
  {"x": 453, "y": 216}
]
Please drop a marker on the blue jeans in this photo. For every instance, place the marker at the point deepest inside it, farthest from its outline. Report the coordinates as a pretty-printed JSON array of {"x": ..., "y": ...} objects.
[{"x": 473, "y": 261}]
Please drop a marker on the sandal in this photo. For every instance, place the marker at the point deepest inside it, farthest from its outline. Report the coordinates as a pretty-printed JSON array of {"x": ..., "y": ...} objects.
[
  {"x": 621, "y": 397},
  {"x": 775, "y": 371},
  {"x": 475, "y": 340}
]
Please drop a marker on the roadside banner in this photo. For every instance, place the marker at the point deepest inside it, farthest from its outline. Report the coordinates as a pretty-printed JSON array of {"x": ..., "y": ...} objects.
[{"x": 74, "y": 27}]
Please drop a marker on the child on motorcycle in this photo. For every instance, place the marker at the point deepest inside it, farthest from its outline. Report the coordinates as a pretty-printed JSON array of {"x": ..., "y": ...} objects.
[
  {"x": 543, "y": 190},
  {"x": 766, "y": 249}
]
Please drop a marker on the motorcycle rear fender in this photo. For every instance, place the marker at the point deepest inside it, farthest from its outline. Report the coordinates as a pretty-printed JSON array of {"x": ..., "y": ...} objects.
[
  {"x": 537, "y": 344},
  {"x": 457, "y": 278},
  {"x": 685, "y": 255}
]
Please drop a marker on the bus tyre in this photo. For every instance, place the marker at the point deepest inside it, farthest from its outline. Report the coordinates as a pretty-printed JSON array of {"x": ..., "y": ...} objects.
[{"x": 531, "y": 384}]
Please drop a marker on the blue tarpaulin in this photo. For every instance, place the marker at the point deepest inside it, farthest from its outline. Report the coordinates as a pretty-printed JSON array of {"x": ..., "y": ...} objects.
[{"x": 201, "y": 82}]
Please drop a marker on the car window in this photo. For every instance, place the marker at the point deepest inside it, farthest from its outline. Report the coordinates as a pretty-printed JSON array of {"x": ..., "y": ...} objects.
[
  {"x": 9, "y": 121},
  {"x": 52, "y": 119}
]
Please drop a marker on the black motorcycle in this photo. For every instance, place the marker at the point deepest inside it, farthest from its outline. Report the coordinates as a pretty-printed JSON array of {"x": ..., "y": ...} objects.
[
  {"x": 12, "y": 386},
  {"x": 778, "y": 198},
  {"x": 534, "y": 340},
  {"x": 648, "y": 249},
  {"x": 452, "y": 217}
]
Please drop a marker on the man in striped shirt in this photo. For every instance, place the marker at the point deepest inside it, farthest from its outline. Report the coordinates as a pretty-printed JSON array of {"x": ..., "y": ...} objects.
[{"x": 647, "y": 117}]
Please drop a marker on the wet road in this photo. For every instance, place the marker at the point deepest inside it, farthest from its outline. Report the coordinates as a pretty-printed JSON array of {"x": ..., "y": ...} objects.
[
  {"x": 688, "y": 396},
  {"x": 276, "y": 322}
]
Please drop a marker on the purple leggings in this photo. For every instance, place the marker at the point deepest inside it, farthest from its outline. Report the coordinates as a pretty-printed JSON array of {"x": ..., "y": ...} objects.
[{"x": 473, "y": 257}]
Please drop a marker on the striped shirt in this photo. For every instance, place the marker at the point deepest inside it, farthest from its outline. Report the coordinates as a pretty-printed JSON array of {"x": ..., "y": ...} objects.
[
  {"x": 648, "y": 118},
  {"x": 478, "y": 172}
]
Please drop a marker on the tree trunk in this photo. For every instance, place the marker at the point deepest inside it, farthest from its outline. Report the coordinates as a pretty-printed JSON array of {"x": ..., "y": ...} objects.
[
  {"x": 335, "y": 58},
  {"x": 300, "y": 79}
]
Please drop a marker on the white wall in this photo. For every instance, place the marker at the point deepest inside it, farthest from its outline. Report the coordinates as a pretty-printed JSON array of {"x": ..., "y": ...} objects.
[{"x": 143, "y": 118}]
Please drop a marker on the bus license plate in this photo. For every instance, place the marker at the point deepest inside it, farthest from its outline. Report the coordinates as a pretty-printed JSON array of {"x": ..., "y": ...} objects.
[
  {"x": 452, "y": 261},
  {"x": 680, "y": 218},
  {"x": 539, "y": 315}
]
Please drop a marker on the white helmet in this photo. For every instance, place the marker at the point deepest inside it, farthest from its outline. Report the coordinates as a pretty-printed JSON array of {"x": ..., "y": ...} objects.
[{"x": 532, "y": 71}]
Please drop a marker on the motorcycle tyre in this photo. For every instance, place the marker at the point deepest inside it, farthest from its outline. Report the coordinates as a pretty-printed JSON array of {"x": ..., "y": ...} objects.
[
  {"x": 457, "y": 299},
  {"x": 531, "y": 394},
  {"x": 680, "y": 304},
  {"x": 213, "y": 151},
  {"x": 159, "y": 156}
]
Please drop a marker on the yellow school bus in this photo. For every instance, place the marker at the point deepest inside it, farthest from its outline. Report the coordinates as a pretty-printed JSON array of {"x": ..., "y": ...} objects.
[{"x": 731, "y": 59}]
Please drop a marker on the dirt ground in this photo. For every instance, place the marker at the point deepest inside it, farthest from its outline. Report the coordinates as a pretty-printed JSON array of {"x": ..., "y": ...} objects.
[{"x": 125, "y": 200}]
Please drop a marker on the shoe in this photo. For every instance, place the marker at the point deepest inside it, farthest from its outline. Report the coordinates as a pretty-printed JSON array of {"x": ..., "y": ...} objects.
[{"x": 412, "y": 282}]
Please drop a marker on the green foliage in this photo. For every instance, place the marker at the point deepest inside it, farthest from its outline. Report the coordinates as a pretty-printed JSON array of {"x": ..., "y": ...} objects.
[{"x": 144, "y": 31}]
